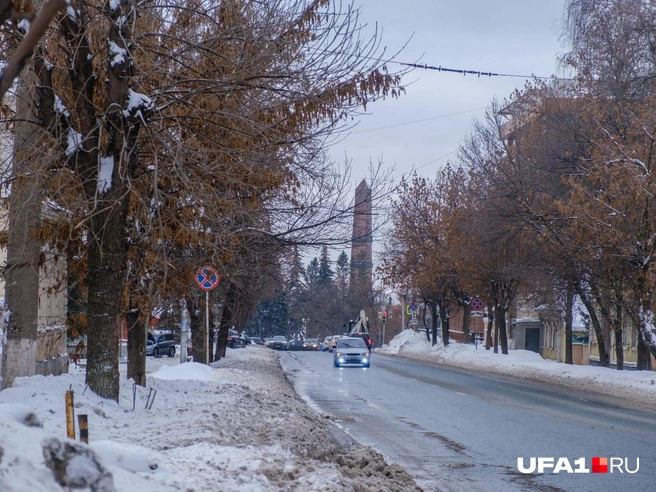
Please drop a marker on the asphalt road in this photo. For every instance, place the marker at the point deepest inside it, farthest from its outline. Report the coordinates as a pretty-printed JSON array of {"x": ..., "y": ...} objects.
[{"x": 456, "y": 430}]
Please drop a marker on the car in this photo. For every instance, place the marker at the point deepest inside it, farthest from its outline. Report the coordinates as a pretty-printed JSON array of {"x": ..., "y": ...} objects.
[
  {"x": 255, "y": 339},
  {"x": 311, "y": 344},
  {"x": 296, "y": 345},
  {"x": 279, "y": 342},
  {"x": 365, "y": 336},
  {"x": 235, "y": 340},
  {"x": 351, "y": 350},
  {"x": 160, "y": 343},
  {"x": 333, "y": 342},
  {"x": 325, "y": 345}
]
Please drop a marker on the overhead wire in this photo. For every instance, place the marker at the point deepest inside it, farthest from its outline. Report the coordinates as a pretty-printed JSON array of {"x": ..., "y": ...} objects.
[
  {"x": 478, "y": 73},
  {"x": 418, "y": 121},
  {"x": 464, "y": 72}
]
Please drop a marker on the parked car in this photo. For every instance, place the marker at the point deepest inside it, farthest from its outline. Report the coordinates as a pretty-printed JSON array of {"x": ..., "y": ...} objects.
[
  {"x": 325, "y": 345},
  {"x": 365, "y": 337},
  {"x": 351, "y": 350},
  {"x": 311, "y": 344},
  {"x": 235, "y": 340},
  {"x": 160, "y": 343},
  {"x": 279, "y": 342},
  {"x": 257, "y": 340},
  {"x": 296, "y": 345}
]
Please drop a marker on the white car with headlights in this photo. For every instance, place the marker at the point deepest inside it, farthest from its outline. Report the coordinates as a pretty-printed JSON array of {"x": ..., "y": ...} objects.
[{"x": 351, "y": 350}]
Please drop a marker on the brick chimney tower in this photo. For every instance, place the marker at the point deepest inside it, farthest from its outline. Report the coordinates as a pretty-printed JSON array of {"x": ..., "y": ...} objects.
[{"x": 361, "y": 245}]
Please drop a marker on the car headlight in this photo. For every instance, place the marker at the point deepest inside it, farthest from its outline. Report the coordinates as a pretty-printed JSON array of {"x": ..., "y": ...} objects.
[{"x": 337, "y": 354}]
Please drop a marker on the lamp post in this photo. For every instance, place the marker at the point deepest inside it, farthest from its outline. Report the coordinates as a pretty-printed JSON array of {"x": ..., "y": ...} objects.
[{"x": 304, "y": 327}]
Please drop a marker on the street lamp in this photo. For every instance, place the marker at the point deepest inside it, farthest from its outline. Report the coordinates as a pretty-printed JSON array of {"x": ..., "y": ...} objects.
[{"x": 304, "y": 326}]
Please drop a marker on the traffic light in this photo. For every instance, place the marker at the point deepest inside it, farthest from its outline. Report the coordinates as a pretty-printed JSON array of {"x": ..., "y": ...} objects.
[{"x": 384, "y": 316}]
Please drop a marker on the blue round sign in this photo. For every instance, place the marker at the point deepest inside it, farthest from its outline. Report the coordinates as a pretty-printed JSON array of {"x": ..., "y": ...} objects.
[{"x": 207, "y": 278}]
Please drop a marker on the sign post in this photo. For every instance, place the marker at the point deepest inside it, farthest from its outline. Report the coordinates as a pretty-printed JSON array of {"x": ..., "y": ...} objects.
[
  {"x": 477, "y": 307},
  {"x": 207, "y": 279}
]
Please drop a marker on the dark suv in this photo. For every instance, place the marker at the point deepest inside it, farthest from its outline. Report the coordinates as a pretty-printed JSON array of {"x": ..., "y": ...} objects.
[
  {"x": 160, "y": 343},
  {"x": 365, "y": 337}
]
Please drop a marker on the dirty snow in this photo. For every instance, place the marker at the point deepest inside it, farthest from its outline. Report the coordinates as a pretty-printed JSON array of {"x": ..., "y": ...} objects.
[{"x": 234, "y": 426}]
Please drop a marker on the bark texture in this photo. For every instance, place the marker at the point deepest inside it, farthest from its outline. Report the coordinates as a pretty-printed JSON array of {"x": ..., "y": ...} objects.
[{"x": 23, "y": 247}]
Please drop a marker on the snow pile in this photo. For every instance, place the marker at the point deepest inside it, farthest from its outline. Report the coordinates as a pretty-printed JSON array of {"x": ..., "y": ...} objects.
[
  {"x": 235, "y": 426},
  {"x": 639, "y": 386},
  {"x": 192, "y": 371},
  {"x": 408, "y": 342}
]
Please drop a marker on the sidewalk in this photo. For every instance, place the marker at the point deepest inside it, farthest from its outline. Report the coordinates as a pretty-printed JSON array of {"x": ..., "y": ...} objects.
[
  {"x": 639, "y": 387},
  {"x": 235, "y": 426}
]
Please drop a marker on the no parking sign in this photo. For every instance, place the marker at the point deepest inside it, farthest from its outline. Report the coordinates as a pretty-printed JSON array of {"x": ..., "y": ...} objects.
[
  {"x": 477, "y": 304},
  {"x": 207, "y": 278}
]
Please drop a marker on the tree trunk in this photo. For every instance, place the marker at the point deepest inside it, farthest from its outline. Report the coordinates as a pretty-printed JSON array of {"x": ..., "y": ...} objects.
[
  {"x": 222, "y": 336},
  {"x": 569, "y": 304},
  {"x": 501, "y": 328},
  {"x": 490, "y": 320},
  {"x": 435, "y": 318},
  {"x": 604, "y": 357},
  {"x": 197, "y": 330},
  {"x": 619, "y": 349},
  {"x": 208, "y": 334},
  {"x": 427, "y": 329},
  {"x": 226, "y": 321},
  {"x": 137, "y": 327},
  {"x": 466, "y": 322},
  {"x": 644, "y": 356},
  {"x": 106, "y": 255},
  {"x": 107, "y": 247},
  {"x": 615, "y": 321},
  {"x": 444, "y": 318},
  {"x": 23, "y": 246}
]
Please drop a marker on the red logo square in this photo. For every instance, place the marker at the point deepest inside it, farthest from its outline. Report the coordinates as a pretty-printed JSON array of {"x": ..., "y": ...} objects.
[{"x": 599, "y": 465}]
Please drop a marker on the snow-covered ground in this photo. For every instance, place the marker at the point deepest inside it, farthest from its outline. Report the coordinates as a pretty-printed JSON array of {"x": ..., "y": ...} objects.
[
  {"x": 234, "y": 426},
  {"x": 639, "y": 387}
]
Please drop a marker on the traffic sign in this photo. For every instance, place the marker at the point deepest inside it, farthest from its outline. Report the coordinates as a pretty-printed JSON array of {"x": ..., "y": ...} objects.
[
  {"x": 477, "y": 304},
  {"x": 410, "y": 308},
  {"x": 207, "y": 278}
]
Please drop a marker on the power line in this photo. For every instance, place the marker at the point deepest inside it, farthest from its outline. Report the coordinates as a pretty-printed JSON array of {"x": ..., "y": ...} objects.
[
  {"x": 438, "y": 159},
  {"x": 418, "y": 121},
  {"x": 478, "y": 73}
]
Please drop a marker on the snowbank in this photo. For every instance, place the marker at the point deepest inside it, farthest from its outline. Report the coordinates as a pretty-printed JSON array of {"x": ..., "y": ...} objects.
[
  {"x": 234, "y": 426},
  {"x": 638, "y": 386}
]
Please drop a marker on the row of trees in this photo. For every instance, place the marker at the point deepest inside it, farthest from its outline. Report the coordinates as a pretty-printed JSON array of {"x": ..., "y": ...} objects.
[
  {"x": 317, "y": 298},
  {"x": 552, "y": 194},
  {"x": 171, "y": 135}
]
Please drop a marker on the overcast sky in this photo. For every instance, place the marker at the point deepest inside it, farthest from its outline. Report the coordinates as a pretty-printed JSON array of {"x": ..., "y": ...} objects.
[{"x": 505, "y": 36}]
